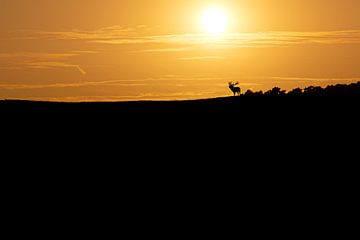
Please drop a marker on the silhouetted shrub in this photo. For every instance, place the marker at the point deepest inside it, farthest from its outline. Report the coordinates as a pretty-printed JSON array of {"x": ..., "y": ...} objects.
[{"x": 249, "y": 93}]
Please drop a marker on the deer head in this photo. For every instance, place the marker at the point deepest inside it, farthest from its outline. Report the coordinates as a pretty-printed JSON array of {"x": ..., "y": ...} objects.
[{"x": 232, "y": 84}]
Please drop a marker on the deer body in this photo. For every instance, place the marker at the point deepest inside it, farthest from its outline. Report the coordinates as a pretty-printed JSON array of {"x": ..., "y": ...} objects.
[{"x": 234, "y": 89}]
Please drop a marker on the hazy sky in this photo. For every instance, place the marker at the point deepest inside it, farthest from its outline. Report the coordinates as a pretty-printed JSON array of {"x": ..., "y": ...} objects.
[{"x": 78, "y": 50}]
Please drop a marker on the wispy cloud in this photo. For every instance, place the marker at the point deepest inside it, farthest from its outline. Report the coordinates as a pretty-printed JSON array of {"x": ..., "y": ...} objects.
[
  {"x": 180, "y": 87},
  {"x": 147, "y": 96},
  {"x": 173, "y": 81},
  {"x": 175, "y": 95},
  {"x": 315, "y": 79},
  {"x": 240, "y": 40},
  {"x": 159, "y": 50},
  {"x": 119, "y": 83},
  {"x": 201, "y": 58},
  {"x": 51, "y": 65},
  {"x": 112, "y": 32},
  {"x": 166, "y": 80},
  {"x": 121, "y": 35},
  {"x": 38, "y": 60},
  {"x": 38, "y": 55}
]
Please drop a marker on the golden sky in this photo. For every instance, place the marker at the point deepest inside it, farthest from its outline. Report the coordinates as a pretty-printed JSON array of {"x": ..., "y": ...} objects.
[{"x": 77, "y": 50}]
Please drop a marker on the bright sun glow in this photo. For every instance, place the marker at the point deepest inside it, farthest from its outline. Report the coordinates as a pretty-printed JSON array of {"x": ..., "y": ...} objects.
[{"x": 215, "y": 21}]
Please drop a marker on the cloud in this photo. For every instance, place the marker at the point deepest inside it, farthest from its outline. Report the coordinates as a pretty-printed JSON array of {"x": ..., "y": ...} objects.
[
  {"x": 84, "y": 51},
  {"x": 170, "y": 80},
  {"x": 201, "y": 58},
  {"x": 261, "y": 39},
  {"x": 176, "y": 95},
  {"x": 154, "y": 50},
  {"x": 315, "y": 79},
  {"x": 180, "y": 87},
  {"x": 37, "y": 55},
  {"x": 106, "y": 33},
  {"x": 150, "y": 96},
  {"x": 38, "y": 60},
  {"x": 51, "y": 65},
  {"x": 121, "y": 35},
  {"x": 140, "y": 36},
  {"x": 127, "y": 83}
]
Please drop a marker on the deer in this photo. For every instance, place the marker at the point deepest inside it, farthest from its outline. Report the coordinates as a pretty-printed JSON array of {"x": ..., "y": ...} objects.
[{"x": 234, "y": 89}]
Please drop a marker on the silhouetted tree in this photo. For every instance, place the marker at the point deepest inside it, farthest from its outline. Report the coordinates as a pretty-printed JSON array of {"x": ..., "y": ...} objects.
[
  {"x": 276, "y": 91},
  {"x": 259, "y": 93},
  {"x": 313, "y": 91},
  {"x": 295, "y": 92},
  {"x": 352, "y": 89}
]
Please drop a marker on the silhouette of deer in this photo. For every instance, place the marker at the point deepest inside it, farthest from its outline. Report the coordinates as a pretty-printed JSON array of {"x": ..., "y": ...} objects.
[{"x": 235, "y": 90}]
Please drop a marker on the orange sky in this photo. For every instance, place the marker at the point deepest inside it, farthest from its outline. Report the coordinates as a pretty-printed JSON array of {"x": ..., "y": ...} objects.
[{"x": 77, "y": 50}]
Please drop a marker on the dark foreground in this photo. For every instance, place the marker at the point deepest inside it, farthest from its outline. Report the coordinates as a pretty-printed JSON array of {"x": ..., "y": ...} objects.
[
  {"x": 275, "y": 112},
  {"x": 234, "y": 124},
  {"x": 255, "y": 154},
  {"x": 253, "y": 140},
  {"x": 231, "y": 110}
]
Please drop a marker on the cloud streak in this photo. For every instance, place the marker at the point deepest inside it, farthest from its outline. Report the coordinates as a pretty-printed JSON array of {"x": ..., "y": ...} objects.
[
  {"x": 122, "y": 36},
  {"x": 52, "y": 65},
  {"x": 160, "y": 50},
  {"x": 112, "y": 32},
  {"x": 201, "y": 58},
  {"x": 182, "y": 87},
  {"x": 315, "y": 79},
  {"x": 148, "y": 96},
  {"x": 240, "y": 40},
  {"x": 37, "y": 60},
  {"x": 166, "y": 80},
  {"x": 181, "y": 81}
]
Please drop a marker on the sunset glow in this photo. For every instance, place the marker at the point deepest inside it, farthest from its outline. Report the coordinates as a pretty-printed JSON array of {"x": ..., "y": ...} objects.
[{"x": 76, "y": 50}]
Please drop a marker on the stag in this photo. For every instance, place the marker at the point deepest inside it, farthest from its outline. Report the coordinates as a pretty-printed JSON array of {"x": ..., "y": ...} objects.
[{"x": 234, "y": 89}]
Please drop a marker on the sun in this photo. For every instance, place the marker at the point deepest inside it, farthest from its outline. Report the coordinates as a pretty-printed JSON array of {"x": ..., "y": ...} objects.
[{"x": 215, "y": 21}]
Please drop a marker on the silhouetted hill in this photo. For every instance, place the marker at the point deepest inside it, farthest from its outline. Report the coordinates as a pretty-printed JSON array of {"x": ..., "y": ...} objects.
[
  {"x": 256, "y": 109},
  {"x": 293, "y": 132},
  {"x": 275, "y": 101}
]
